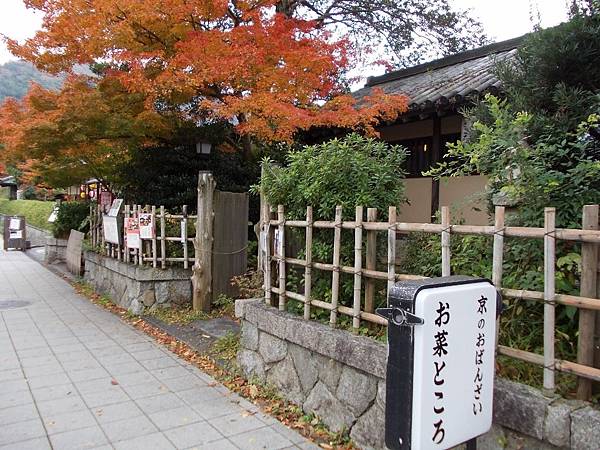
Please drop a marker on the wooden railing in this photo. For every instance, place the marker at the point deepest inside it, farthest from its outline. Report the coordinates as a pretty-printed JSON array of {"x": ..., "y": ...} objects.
[{"x": 273, "y": 259}]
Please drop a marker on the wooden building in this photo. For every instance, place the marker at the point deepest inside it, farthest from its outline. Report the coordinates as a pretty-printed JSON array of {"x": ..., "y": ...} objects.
[{"x": 437, "y": 92}]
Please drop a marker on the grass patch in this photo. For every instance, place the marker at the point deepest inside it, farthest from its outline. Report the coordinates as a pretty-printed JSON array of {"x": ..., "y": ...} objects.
[
  {"x": 226, "y": 347},
  {"x": 36, "y": 212},
  {"x": 178, "y": 315}
]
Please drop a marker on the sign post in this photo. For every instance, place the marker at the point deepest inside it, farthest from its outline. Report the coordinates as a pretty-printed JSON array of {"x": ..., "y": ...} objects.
[{"x": 440, "y": 371}]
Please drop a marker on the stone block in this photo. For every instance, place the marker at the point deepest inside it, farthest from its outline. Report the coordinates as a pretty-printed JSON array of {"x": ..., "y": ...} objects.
[
  {"x": 136, "y": 307},
  {"x": 329, "y": 371},
  {"x": 306, "y": 366},
  {"x": 585, "y": 429},
  {"x": 241, "y": 303},
  {"x": 148, "y": 298},
  {"x": 332, "y": 411},
  {"x": 356, "y": 389},
  {"x": 251, "y": 364},
  {"x": 367, "y": 432},
  {"x": 249, "y": 338},
  {"x": 271, "y": 348},
  {"x": 284, "y": 377},
  {"x": 557, "y": 426},
  {"x": 520, "y": 408}
]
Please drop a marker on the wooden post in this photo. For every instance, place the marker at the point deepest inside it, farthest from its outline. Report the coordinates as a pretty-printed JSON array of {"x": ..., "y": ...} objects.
[
  {"x": 549, "y": 297},
  {"x": 184, "y": 234},
  {"x": 154, "y": 261},
  {"x": 498, "y": 257},
  {"x": 371, "y": 261},
  {"x": 140, "y": 250},
  {"x": 202, "y": 269},
  {"x": 308, "y": 268},
  {"x": 335, "y": 276},
  {"x": 391, "y": 242},
  {"x": 589, "y": 277},
  {"x": 163, "y": 241},
  {"x": 357, "y": 268},
  {"x": 436, "y": 156},
  {"x": 446, "y": 241},
  {"x": 264, "y": 217},
  {"x": 281, "y": 255}
]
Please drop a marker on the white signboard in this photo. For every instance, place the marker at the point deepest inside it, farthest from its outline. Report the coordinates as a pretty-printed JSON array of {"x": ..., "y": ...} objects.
[
  {"x": 53, "y": 215},
  {"x": 110, "y": 227},
  {"x": 115, "y": 207},
  {"x": 453, "y": 365},
  {"x": 146, "y": 226},
  {"x": 16, "y": 234}
]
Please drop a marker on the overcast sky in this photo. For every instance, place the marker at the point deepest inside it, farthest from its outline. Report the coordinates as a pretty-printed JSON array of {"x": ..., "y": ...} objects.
[{"x": 501, "y": 19}]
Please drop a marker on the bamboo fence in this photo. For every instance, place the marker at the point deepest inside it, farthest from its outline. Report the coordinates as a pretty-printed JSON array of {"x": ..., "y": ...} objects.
[
  {"x": 273, "y": 250},
  {"x": 152, "y": 252}
]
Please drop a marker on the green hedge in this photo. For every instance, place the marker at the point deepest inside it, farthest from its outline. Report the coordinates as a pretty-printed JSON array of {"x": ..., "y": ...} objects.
[{"x": 36, "y": 212}]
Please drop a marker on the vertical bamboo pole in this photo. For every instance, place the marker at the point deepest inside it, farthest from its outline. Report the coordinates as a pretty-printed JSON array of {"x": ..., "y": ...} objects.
[
  {"x": 140, "y": 250},
  {"x": 391, "y": 242},
  {"x": 184, "y": 233},
  {"x": 371, "y": 261},
  {"x": 264, "y": 216},
  {"x": 335, "y": 275},
  {"x": 308, "y": 267},
  {"x": 154, "y": 262},
  {"x": 589, "y": 277},
  {"x": 549, "y": 296},
  {"x": 357, "y": 268},
  {"x": 266, "y": 244},
  {"x": 498, "y": 256},
  {"x": 125, "y": 248},
  {"x": 445, "y": 241},
  {"x": 281, "y": 255},
  {"x": 163, "y": 241}
]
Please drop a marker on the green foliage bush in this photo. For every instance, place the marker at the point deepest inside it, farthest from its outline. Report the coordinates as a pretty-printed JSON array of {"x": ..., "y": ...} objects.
[
  {"x": 36, "y": 212},
  {"x": 71, "y": 216},
  {"x": 353, "y": 171}
]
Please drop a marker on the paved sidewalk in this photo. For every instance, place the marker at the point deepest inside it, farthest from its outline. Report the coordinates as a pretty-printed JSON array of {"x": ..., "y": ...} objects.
[{"x": 59, "y": 355}]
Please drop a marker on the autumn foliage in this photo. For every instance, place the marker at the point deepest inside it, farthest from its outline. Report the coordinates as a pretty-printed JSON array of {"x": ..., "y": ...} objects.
[
  {"x": 268, "y": 73},
  {"x": 83, "y": 131}
]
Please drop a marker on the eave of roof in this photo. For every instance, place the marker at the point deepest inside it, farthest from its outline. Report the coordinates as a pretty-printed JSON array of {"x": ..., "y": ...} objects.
[{"x": 446, "y": 83}]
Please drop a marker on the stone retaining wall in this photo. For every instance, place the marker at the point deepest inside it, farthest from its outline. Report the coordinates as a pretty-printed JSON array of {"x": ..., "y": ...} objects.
[
  {"x": 341, "y": 378},
  {"x": 55, "y": 250},
  {"x": 137, "y": 287}
]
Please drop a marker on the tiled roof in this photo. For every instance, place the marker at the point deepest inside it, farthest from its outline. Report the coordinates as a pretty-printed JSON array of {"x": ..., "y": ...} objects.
[{"x": 447, "y": 81}]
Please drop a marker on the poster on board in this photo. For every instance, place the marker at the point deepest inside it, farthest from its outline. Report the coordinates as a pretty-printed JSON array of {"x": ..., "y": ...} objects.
[
  {"x": 132, "y": 232},
  {"x": 53, "y": 215},
  {"x": 115, "y": 207},
  {"x": 110, "y": 227},
  {"x": 105, "y": 201},
  {"x": 14, "y": 224},
  {"x": 146, "y": 226}
]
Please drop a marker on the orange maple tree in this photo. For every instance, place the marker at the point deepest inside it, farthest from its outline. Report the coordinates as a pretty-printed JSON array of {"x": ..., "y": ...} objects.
[
  {"x": 83, "y": 131},
  {"x": 236, "y": 60}
]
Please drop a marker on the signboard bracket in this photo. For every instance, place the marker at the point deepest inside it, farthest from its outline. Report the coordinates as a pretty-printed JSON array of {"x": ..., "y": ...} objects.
[{"x": 400, "y": 317}]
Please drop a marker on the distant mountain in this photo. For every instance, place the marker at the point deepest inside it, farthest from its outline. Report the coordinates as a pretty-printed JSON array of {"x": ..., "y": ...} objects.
[{"x": 16, "y": 76}]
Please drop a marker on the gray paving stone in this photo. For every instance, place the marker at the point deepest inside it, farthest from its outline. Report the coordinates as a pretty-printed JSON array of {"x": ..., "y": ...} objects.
[
  {"x": 117, "y": 411},
  {"x": 18, "y": 413},
  {"x": 40, "y": 443},
  {"x": 264, "y": 438},
  {"x": 46, "y": 369},
  {"x": 68, "y": 421},
  {"x": 105, "y": 397},
  {"x": 237, "y": 423},
  {"x": 128, "y": 428},
  {"x": 8, "y": 399},
  {"x": 163, "y": 402},
  {"x": 41, "y": 381},
  {"x": 222, "y": 444},
  {"x": 176, "y": 417},
  {"x": 21, "y": 431},
  {"x": 147, "y": 389},
  {"x": 86, "y": 438},
  {"x": 193, "y": 435},
  {"x": 155, "y": 441},
  {"x": 54, "y": 392},
  {"x": 159, "y": 363},
  {"x": 88, "y": 374},
  {"x": 185, "y": 383},
  {"x": 50, "y": 408}
]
